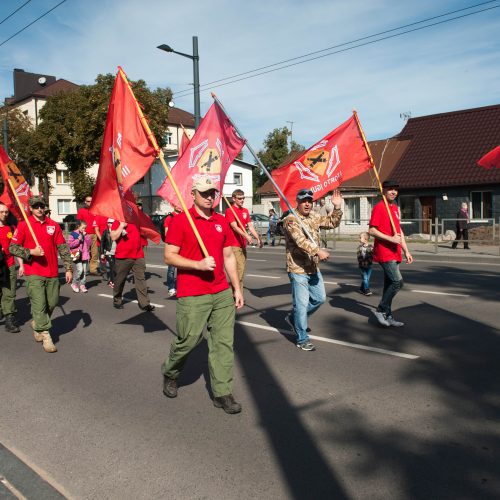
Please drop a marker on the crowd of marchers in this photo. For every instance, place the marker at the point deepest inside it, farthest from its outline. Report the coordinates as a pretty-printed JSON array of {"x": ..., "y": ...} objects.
[{"x": 207, "y": 279}]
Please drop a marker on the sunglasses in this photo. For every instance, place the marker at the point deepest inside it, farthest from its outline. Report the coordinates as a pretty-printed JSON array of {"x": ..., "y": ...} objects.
[
  {"x": 211, "y": 193},
  {"x": 38, "y": 205}
]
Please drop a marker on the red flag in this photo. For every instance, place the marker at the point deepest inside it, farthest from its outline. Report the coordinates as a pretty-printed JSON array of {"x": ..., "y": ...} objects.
[
  {"x": 185, "y": 140},
  {"x": 126, "y": 155},
  {"x": 211, "y": 151},
  {"x": 10, "y": 171},
  {"x": 491, "y": 159},
  {"x": 337, "y": 157}
]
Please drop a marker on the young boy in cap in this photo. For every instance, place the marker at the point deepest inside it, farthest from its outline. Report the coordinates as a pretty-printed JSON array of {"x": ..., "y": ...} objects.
[
  {"x": 302, "y": 261},
  {"x": 387, "y": 250},
  {"x": 41, "y": 267},
  {"x": 204, "y": 296}
]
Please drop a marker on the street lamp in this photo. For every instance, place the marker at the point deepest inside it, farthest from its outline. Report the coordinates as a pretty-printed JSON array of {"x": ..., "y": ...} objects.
[{"x": 196, "y": 75}]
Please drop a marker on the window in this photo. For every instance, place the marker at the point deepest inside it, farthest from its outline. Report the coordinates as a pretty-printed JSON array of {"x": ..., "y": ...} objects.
[
  {"x": 238, "y": 179},
  {"x": 63, "y": 207},
  {"x": 168, "y": 138},
  {"x": 371, "y": 202},
  {"x": 407, "y": 207},
  {"x": 352, "y": 211},
  {"x": 62, "y": 177},
  {"x": 481, "y": 205}
]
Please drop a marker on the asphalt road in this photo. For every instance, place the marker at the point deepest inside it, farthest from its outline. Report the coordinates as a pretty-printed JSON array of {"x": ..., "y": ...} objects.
[{"x": 373, "y": 413}]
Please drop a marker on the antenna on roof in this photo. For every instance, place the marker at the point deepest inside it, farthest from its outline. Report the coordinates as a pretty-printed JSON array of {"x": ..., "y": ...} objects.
[{"x": 406, "y": 115}]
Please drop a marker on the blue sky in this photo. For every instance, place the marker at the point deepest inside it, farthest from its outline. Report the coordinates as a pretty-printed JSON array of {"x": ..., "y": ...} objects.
[{"x": 452, "y": 66}]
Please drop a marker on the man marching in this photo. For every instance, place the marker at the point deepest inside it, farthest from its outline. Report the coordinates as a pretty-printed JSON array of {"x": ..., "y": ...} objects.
[
  {"x": 204, "y": 297},
  {"x": 41, "y": 267}
]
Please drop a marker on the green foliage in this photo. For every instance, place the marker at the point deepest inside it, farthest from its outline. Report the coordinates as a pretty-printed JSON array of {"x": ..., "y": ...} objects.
[{"x": 82, "y": 184}]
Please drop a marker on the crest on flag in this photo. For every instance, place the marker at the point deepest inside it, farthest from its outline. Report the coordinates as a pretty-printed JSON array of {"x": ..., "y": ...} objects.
[{"x": 318, "y": 162}]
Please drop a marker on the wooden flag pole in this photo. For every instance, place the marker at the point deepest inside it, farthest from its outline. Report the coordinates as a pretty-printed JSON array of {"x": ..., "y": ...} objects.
[
  {"x": 152, "y": 138},
  {"x": 242, "y": 227},
  {"x": 21, "y": 208},
  {"x": 375, "y": 170},
  {"x": 264, "y": 169}
]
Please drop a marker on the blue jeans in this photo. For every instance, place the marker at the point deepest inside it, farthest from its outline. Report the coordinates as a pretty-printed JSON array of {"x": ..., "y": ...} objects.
[
  {"x": 393, "y": 282},
  {"x": 366, "y": 272},
  {"x": 308, "y": 293},
  {"x": 171, "y": 281}
]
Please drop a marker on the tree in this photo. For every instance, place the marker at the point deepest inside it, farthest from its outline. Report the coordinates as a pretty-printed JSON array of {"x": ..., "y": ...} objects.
[{"x": 274, "y": 152}]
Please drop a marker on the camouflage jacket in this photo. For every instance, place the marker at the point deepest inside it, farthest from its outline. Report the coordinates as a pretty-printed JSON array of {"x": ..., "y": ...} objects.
[{"x": 301, "y": 252}]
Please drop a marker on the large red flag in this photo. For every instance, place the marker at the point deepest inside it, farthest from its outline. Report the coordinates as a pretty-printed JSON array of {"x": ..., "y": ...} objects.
[
  {"x": 337, "y": 157},
  {"x": 10, "y": 171},
  {"x": 211, "y": 151},
  {"x": 491, "y": 159},
  {"x": 126, "y": 155}
]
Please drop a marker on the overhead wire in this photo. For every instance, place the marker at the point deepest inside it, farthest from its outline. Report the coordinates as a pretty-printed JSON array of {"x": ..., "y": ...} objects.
[
  {"x": 209, "y": 85},
  {"x": 32, "y": 22},
  {"x": 17, "y": 10}
]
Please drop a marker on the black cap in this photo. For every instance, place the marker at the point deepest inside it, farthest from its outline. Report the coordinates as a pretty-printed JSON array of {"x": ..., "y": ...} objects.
[
  {"x": 390, "y": 183},
  {"x": 304, "y": 194}
]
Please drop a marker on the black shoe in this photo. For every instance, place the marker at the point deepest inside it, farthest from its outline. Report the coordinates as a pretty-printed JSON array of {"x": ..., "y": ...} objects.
[
  {"x": 228, "y": 404},
  {"x": 118, "y": 305},
  {"x": 169, "y": 387},
  {"x": 368, "y": 292},
  {"x": 11, "y": 324},
  {"x": 148, "y": 308}
]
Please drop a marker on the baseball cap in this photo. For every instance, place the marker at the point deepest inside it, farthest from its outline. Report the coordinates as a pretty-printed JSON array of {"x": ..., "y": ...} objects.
[
  {"x": 204, "y": 183},
  {"x": 34, "y": 200},
  {"x": 390, "y": 183},
  {"x": 304, "y": 194}
]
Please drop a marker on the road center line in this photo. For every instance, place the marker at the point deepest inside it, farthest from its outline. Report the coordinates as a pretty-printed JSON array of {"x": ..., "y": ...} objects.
[
  {"x": 333, "y": 341},
  {"x": 261, "y": 276},
  {"x": 258, "y": 260},
  {"x": 440, "y": 293},
  {"x": 127, "y": 300}
]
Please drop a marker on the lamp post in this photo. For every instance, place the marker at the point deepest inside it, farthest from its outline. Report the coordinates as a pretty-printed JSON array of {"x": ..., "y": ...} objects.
[{"x": 196, "y": 75}]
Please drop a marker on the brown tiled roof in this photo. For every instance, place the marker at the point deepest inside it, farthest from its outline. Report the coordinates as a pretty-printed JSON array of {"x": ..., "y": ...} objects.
[
  {"x": 386, "y": 153},
  {"x": 60, "y": 85},
  {"x": 445, "y": 148},
  {"x": 177, "y": 116}
]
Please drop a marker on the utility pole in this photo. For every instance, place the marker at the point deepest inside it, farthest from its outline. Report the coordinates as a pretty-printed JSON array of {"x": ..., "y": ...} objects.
[{"x": 5, "y": 134}]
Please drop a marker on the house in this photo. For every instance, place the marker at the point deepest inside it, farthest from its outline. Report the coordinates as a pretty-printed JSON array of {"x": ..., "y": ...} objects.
[
  {"x": 439, "y": 170},
  {"x": 239, "y": 176}
]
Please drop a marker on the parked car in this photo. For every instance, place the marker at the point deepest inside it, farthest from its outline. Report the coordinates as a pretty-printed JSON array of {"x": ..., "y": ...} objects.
[{"x": 261, "y": 222}]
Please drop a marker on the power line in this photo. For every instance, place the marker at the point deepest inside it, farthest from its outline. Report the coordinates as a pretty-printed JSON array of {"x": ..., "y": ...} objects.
[
  {"x": 209, "y": 85},
  {"x": 12, "y": 13},
  {"x": 32, "y": 22}
]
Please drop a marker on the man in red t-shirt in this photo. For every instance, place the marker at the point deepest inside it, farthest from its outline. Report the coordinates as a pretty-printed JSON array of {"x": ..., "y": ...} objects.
[
  {"x": 8, "y": 274},
  {"x": 387, "y": 250},
  {"x": 204, "y": 296},
  {"x": 84, "y": 214},
  {"x": 129, "y": 256},
  {"x": 238, "y": 212},
  {"x": 41, "y": 267}
]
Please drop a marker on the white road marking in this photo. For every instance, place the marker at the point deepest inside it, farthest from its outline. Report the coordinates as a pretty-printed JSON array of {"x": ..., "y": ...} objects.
[
  {"x": 258, "y": 260},
  {"x": 126, "y": 300},
  {"x": 440, "y": 293},
  {"x": 157, "y": 266},
  {"x": 261, "y": 276},
  {"x": 333, "y": 341}
]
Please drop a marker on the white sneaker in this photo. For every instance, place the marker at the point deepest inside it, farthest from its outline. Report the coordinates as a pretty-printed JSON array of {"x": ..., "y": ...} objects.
[
  {"x": 75, "y": 288},
  {"x": 393, "y": 322},
  {"x": 381, "y": 318},
  {"x": 172, "y": 292}
]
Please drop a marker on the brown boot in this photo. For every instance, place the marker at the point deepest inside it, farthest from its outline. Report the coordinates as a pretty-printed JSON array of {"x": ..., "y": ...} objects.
[{"x": 48, "y": 345}]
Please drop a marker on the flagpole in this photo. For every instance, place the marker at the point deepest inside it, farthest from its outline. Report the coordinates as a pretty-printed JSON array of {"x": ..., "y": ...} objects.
[
  {"x": 367, "y": 147},
  {"x": 152, "y": 138},
  {"x": 21, "y": 208},
  {"x": 242, "y": 227},
  {"x": 264, "y": 169}
]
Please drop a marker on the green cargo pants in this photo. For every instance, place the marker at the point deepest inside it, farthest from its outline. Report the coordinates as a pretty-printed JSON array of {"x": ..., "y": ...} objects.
[
  {"x": 44, "y": 297},
  {"x": 217, "y": 311},
  {"x": 9, "y": 290}
]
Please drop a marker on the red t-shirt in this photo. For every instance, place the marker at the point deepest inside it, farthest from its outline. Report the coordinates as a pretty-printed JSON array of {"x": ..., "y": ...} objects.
[
  {"x": 101, "y": 223},
  {"x": 49, "y": 235},
  {"x": 384, "y": 251},
  {"x": 130, "y": 245},
  {"x": 216, "y": 235},
  {"x": 244, "y": 216},
  {"x": 84, "y": 214},
  {"x": 5, "y": 237}
]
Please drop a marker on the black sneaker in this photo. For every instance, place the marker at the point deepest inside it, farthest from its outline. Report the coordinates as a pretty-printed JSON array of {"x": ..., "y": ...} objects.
[
  {"x": 169, "y": 387},
  {"x": 148, "y": 308},
  {"x": 368, "y": 292},
  {"x": 228, "y": 404},
  {"x": 306, "y": 346},
  {"x": 118, "y": 305}
]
